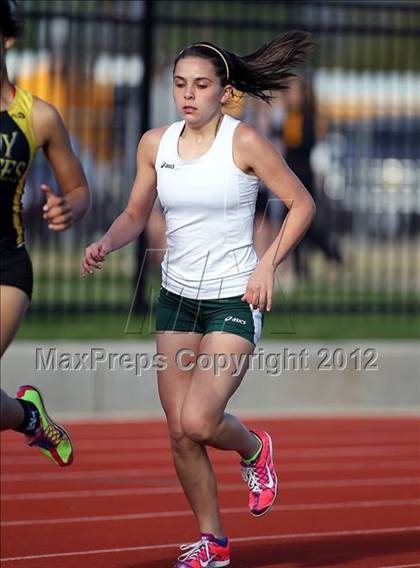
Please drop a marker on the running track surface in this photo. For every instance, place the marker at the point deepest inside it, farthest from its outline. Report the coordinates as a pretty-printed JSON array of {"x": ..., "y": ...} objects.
[{"x": 349, "y": 496}]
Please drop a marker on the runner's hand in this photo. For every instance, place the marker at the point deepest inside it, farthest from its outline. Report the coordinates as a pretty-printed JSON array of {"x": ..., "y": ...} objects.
[
  {"x": 95, "y": 255},
  {"x": 56, "y": 210},
  {"x": 259, "y": 290}
]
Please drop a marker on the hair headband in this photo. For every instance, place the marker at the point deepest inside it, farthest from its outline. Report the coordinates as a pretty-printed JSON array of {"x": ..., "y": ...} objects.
[{"x": 218, "y": 52}]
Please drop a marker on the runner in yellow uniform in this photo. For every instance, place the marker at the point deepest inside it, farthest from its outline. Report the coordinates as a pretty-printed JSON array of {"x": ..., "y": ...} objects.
[{"x": 27, "y": 123}]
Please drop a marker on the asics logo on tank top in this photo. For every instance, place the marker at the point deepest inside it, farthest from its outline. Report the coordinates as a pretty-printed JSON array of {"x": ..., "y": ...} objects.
[
  {"x": 166, "y": 165},
  {"x": 235, "y": 320}
]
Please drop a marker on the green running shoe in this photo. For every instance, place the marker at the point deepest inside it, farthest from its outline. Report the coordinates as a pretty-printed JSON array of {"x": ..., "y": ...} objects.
[{"x": 50, "y": 437}]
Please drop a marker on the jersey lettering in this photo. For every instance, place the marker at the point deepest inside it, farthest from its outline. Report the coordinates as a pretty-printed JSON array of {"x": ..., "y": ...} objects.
[{"x": 6, "y": 143}]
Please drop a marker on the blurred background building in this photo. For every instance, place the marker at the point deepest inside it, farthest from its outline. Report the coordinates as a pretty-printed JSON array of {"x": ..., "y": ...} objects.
[{"x": 107, "y": 65}]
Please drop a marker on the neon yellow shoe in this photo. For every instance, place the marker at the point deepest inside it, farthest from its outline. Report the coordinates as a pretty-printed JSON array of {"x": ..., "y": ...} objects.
[{"x": 50, "y": 437}]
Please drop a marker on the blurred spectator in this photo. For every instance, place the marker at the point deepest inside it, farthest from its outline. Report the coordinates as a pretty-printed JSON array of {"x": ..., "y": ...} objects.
[
  {"x": 298, "y": 134},
  {"x": 269, "y": 210}
]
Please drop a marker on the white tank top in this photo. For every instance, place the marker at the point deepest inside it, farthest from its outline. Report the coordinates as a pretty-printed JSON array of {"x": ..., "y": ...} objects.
[{"x": 209, "y": 208}]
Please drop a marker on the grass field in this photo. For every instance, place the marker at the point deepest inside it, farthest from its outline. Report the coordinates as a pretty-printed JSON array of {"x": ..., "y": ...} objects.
[
  {"x": 374, "y": 272},
  {"x": 380, "y": 274},
  {"x": 278, "y": 327}
]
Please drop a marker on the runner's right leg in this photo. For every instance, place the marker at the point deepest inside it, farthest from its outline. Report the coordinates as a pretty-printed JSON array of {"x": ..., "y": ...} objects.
[{"x": 190, "y": 458}]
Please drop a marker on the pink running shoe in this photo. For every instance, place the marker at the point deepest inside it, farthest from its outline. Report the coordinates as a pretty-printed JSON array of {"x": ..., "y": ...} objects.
[
  {"x": 206, "y": 553},
  {"x": 261, "y": 477}
]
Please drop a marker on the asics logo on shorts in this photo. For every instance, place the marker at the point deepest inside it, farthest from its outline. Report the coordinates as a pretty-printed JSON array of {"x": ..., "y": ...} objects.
[
  {"x": 235, "y": 320},
  {"x": 166, "y": 165}
]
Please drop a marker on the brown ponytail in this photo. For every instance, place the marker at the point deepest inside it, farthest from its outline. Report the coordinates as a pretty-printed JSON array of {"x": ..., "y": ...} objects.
[{"x": 261, "y": 72}]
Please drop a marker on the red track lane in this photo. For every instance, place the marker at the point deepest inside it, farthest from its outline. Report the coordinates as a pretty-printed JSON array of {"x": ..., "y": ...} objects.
[{"x": 349, "y": 496}]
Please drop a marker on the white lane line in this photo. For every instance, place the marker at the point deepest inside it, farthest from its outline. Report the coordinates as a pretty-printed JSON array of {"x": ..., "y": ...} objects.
[
  {"x": 368, "y": 451},
  {"x": 227, "y": 511},
  {"x": 285, "y": 441},
  {"x": 329, "y": 483},
  {"x": 33, "y": 458},
  {"x": 281, "y": 537},
  {"x": 350, "y": 466},
  {"x": 217, "y": 460},
  {"x": 297, "y": 456},
  {"x": 110, "y": 444},
  {"x": 396, "y": 449},
  {"x": 105, "y": 474},
  {"x": 111, "y": 474},
  {"x": 401, "y": 566},
  {"x": 387, "y": 437}
]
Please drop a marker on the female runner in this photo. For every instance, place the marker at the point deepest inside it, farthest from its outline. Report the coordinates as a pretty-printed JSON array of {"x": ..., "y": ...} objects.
[
  {"x": 205, "y": 170},
  {"x": 28, "y": 123}
]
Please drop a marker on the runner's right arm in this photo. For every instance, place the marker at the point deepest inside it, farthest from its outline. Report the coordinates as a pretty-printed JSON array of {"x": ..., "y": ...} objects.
[{"x": 132, "y": 221}]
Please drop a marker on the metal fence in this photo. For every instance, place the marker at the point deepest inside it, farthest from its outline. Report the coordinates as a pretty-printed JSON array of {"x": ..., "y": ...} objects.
[{"x": 107, "y": 66}]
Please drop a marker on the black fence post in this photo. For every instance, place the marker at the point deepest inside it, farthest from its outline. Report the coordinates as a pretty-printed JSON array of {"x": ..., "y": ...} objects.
[{"x": 140, "y": 304}]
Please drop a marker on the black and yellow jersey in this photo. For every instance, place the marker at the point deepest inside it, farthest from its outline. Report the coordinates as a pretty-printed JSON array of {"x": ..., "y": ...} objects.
[{"x": 17, "y": 150}]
